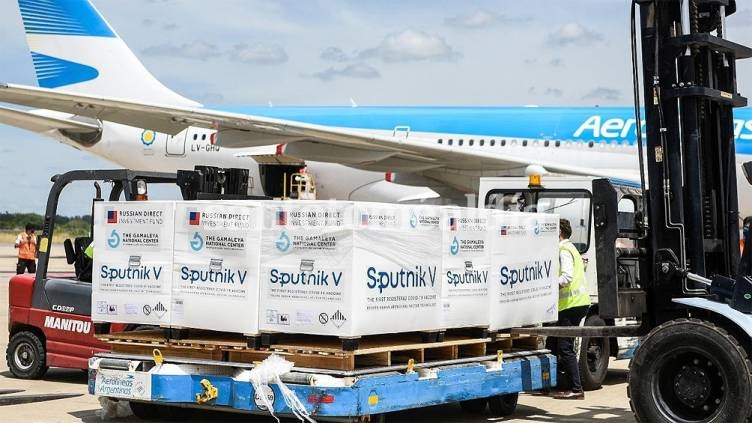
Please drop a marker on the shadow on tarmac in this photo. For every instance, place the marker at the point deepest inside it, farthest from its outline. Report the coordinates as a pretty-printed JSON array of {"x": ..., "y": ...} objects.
[{"x": 76, "y": 377}]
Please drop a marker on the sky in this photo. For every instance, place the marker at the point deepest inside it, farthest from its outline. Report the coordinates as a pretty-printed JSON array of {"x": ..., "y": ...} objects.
[{"x": 327, "y": 52}]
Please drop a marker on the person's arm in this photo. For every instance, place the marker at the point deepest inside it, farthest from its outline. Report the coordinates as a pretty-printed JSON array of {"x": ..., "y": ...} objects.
[
  {"x": 19, "y": 241},
  {"x": 567, "y": 268}
]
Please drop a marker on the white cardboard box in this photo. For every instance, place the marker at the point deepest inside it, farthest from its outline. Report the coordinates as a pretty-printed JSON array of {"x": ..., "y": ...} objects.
[
  {"x": 349, "y": 269},
  {"x": 132, "y": 269},
  {"x": 523, "y": 282},
  {"x": 216, "y": 266},
  {"x": 466, "y": 258}
]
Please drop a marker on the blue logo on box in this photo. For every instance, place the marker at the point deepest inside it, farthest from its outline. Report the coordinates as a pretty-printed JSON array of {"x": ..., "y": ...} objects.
[
  {"x": 197, "y": 243},
  {"x": 114, "y": 240},
  {"x": 283, "y": 243}
]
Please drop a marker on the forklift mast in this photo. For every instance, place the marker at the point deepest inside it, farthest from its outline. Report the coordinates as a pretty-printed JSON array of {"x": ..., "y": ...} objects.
[{"x": 689, "y": 74}]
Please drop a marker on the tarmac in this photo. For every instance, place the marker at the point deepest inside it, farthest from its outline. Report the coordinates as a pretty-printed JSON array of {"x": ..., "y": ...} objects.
[{"x": 609, "y": 404}]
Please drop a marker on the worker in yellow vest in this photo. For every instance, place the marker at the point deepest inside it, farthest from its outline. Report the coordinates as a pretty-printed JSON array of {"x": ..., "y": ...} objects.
[
  {"x": 26, "y": 242},
  {"x": 574, "y": 302}
]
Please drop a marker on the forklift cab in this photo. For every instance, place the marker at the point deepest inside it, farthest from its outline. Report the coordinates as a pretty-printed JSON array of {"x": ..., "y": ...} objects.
[
  {"x": 49, "y": 313},
  {"x": 576, "y": 199},
  {"x": 73, "y": 292}
]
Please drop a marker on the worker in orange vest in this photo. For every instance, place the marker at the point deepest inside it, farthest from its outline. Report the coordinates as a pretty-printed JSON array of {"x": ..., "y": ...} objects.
[{"x": 26, "y": 242}]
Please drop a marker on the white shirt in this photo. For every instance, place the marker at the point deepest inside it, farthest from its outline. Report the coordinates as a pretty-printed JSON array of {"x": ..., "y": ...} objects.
[{"x": 566, "y": 261}]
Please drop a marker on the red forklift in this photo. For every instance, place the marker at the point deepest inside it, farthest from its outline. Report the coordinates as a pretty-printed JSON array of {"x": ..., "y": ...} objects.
[
  {"x": 48, "y": 318},
  {"x": 49, "y": 314}
]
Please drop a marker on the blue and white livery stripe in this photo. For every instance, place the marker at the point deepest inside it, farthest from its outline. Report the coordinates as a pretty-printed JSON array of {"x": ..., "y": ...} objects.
[
  {"x": 53, "y": 72},
  {"x": 63, "y": 17}
]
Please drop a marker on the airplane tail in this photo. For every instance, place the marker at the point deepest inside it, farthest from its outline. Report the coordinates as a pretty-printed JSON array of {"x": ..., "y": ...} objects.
[{"x": 74, "y": 48}]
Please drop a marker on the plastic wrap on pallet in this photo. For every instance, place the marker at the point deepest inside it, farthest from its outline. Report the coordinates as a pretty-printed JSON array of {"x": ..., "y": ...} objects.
[
  {"x": 466, "y": 255},
  {"x": 523, "y": 282},
  {"x": 349, "y": 269},
  {"x": 216, "y": 266},
  {"x": 132, "y": 269}
]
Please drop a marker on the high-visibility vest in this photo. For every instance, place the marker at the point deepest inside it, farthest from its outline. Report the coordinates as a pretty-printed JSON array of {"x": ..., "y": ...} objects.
[
  {"x": 27, "y": 250},
  {"x": 574, "y": 294}
]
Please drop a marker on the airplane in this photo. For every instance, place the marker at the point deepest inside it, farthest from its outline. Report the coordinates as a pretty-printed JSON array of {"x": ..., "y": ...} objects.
[{"x": 95, "y": 95}]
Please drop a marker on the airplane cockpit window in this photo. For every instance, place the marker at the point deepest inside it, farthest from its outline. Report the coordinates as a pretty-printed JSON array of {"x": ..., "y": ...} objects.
[{"x": 573, "y": 205}]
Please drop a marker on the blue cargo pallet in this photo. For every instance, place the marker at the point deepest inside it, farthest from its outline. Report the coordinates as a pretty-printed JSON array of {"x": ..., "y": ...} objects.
[{"x": 180, "y": 382}]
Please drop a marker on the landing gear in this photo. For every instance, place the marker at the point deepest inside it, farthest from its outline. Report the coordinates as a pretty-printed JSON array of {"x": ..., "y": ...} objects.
[{"x": 690, "y": 370}]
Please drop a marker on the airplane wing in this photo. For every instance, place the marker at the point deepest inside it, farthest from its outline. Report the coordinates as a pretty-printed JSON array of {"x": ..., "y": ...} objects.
[
  {"x": 36, "y": 122},
  {"x": 307, "y": 141}
]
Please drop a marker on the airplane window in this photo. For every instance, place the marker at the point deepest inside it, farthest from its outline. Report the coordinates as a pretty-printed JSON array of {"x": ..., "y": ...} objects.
[
  {"x": 450, "y": 141},
  {"x": 546, "y": 143},
  {"x": 441, "y": 141},
  {"x": 195, "y": 137},
  {"x": 482, "y": 142},
  {"x": 524, "y": 143},
  {"x": 203, "y": 137},
  {"x": 493, "y": 142},
  {"x": 557, "y": 143},
  {"x": 590, "y": 144},
  {"x": 503, "y": 143},
  {"x": 471, "y": 142},
  {"x": 460, "y": 142}
]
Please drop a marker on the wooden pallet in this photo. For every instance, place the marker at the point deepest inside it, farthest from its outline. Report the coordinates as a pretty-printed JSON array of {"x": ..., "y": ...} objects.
[
  {"x": 372, "y": 351},
  {"x": 304, "y": 350}
]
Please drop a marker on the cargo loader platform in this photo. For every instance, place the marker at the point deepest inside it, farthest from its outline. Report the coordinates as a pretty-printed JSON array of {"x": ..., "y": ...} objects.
[
  {"x": 328, "y": 395},
  {"x": 321, "y": 352}
]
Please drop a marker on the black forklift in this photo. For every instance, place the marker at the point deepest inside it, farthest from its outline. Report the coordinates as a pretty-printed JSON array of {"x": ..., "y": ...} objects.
[{"x": 693, "y": 294}]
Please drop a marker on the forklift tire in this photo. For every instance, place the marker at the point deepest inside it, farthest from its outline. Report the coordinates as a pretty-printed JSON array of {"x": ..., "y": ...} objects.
[
  {"x": 690, "y": 370},
  {"x": 26, "y": 356},
  {"x": 503, "y": 405},
  {"x": 594, "y": 356},
  {"x": 474, "y": 406}
]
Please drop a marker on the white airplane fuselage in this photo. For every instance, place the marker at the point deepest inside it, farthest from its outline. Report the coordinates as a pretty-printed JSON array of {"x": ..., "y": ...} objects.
[{"x": 128, "y": 147}]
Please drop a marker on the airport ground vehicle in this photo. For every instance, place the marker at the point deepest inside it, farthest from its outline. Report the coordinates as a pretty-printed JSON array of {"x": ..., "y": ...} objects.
[
  {"x": 572, "y": 198},
  {"x": 48, "y": 320},
  {"x": 49, "y": 323},
  {"x": 693, "y": 292}
]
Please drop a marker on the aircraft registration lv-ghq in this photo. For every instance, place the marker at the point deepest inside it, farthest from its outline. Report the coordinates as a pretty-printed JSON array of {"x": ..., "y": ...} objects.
[{"x": 95, "y": 95}]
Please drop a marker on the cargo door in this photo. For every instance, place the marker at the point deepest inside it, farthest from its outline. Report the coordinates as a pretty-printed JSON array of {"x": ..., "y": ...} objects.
[{"x": 176, "y": 144}]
